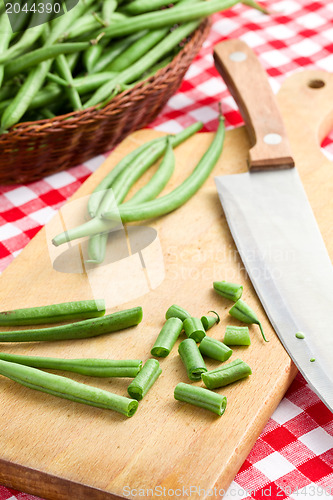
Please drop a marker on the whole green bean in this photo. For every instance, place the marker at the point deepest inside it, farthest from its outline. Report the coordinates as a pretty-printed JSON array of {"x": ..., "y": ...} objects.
[
  {"x": 140, "y": 6},
  {"x": 26, "y": 61},
  {"x": 55, "y": 313},
  {"x": 66, "y": 388},
  {"x": 114, "y": 50},
  {"x": 175, "y": 15},
  {"x": 91, "y": 56},
  {"x": 180, "y": 194},
  {"x": 28, "y": 38},
  {"x": 108, "y": 8},
  {"x": 66, "y": 74},
  {"x": 85, "y": 84},
  {"x": 100, "y": 225},
  {"x": 91, "y": 367},
  {"x": 37, "y": 75},
  {"x": 137, "y": 50},
  {"x": 159, "y": 180},
  {"x": 145, "y": 62},
  {"x": 79, "y": 330},
  {"x": 5, "y": 31}
]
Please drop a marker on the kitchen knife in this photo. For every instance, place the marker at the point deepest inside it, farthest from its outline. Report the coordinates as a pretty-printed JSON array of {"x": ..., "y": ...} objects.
[{"x": 273, "y": 225}]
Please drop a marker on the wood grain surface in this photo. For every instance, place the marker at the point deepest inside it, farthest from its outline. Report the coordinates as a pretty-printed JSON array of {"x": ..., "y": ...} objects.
[{"x": 58, "y": 449}]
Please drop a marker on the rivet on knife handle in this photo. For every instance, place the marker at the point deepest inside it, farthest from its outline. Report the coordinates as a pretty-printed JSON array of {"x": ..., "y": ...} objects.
[{"x": 248, "y": 83}]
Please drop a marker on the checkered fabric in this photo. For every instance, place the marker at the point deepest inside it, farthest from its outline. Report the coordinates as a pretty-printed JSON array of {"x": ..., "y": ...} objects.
[{"x": 293, "y": 457}]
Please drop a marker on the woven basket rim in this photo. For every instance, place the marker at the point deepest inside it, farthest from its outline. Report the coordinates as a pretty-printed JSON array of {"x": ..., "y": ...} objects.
[{"x": 74, "y": 117}]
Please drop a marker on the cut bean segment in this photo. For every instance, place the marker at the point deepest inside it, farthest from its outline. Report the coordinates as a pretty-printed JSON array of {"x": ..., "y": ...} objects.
[
  {"x": 192, "y": 359},
  {"x": 230, "y": 291},
  {"x": 167, "y": 337},
  {"x": 86, "y": 366},
  {"x": 79, "y": 330},
  {"x": 237, "y": 335},
  {"x": 194, "y": 329},
  {"x": 150, "y": 372},
  {"x": 208, "y": 320},
  {"x": 227, "y": 374},
  {"x": 66, "y": 388},
  {"x": 55, "y": 313},
  {"x": 244, "y": 313},
  {"x": 214, "y": 349},
  {"x": 175, "y": 311},
  {"x": 199, "y": 396}
]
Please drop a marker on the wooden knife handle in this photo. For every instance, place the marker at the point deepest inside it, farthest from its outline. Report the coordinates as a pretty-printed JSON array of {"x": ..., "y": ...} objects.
[{"x": 248, "y": 83}]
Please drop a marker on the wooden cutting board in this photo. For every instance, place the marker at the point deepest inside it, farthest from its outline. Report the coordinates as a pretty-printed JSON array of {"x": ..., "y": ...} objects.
[{"x": 58, "y": 449}]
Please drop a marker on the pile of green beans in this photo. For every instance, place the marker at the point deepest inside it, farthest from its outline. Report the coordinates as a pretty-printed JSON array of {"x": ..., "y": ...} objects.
[{"x": 91, "y": 53}]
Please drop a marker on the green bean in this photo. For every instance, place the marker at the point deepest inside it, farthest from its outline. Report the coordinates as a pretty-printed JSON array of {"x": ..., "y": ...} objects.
[
  {"x": 208, "y": 321},
  {"x": 97, "y": 243},
  {"x": 167, "y": 337},
  {"x": 159, "y": 180},
  {"x": 175, "y": 311},
  {"x": 108, "y": 8},
  {"x": 5, "y": 31},
  {"x": 237, "y": 335},
  {"x": 241, "y": 311},
  {"x": 230, "y": 291},
  {"x": 145, "y": 62},
  {"x": 85, "y": 84},
  {"x": 214, "y": 349},
  {"x": 86, "y": 24},
  {"x": 180, "y": 194},
  {"x": 194, "y": 329},
  {"x": 145, "y": 379},
  {"x": 114, "y": 50},
  {"x": 26, "y": 61},
  {"x": 176, "y": 15},
  {"x": 55, "y": 313},
  {"x": 140, "y": 6},
  {"x": 79, "y": 330},
  {"x": 56, "y": 79},
  {"x": 137, "y": 50},
  {"x": 45, "y": 97},
  {"x": 66, "y": 388},
  {"x": 37, "y": 75},
  {"x": 26, "y": 41},
  {"x": 198, "y": 396},
  {"x": 192, "y": 359},
  {"x": 227, "y": 374},
  {"x": 100, "y": 225},
  {"x": 66, "y": 74},
  {"x": 91, "y": 56},
  {"x": 91, "y": 367}
]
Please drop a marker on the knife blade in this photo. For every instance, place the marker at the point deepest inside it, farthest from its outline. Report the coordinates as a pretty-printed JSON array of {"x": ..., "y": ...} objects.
[{"x": 273, "y": 225}]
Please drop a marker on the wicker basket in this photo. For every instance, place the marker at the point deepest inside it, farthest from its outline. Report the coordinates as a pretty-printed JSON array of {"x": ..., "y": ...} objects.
[{"x": 36, "y": 149}]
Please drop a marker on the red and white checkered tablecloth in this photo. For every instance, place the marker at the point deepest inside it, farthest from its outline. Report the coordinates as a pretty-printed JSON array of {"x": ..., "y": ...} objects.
[{"x": 293, "y": 457}]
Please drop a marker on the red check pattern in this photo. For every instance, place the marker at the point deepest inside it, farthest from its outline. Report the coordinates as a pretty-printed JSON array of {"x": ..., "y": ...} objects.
[{"x": 293, "y": 457}]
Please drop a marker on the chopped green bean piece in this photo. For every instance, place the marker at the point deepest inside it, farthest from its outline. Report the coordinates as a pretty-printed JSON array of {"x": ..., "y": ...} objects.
[
  {"x": 230, "y": 291},
  {"x": 86, "y": 366},
  {"x": 150, "y": 372},
  {"x": 237, "y": 335},
  {"x": 208, "y": 321},
  {"x": 300, "y": 335},
  {"x": 244, "y": 313},
  {"x": 214, "y": 349},
  {"x": 167, "y": 337},
  {"x": 192, "y": 359},
  {"x": 175, "y": 311},
  {"x": 227, "y": 374},
  {"x": 55, "y": 313},
  {"x": 198, "y": 396},
  {"x": 194, "y": 329},
  {"x": 66, "y": 388}
]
